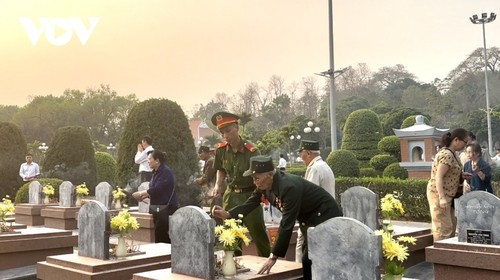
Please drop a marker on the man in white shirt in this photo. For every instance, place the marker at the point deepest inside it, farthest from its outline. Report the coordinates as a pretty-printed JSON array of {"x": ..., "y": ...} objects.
[
  {"x": 282, "y": 163},
  {"x": 141, "y": 158},
  {"x": 317, "y": 172},
  {"x": 29, "y": 170}
]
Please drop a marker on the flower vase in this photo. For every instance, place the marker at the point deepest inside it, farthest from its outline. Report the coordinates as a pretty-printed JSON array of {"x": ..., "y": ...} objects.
[
  {"x": 46, "y": 200},
  {"x": 118, "y": 204},
  {"x": 121, "y": 248},
  {"x": 392, "y": 277},
  {"x": 228, "y": 266},
  {"x": 78, "y": 201}
]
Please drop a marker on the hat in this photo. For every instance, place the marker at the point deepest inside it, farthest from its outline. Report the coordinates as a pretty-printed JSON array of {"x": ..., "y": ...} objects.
[
  {"x": 309, "y": 145},
  {"x": 202, "y": 149},
  {"x": 221, "y": 119},
  {"x": 259, "y": 164}
]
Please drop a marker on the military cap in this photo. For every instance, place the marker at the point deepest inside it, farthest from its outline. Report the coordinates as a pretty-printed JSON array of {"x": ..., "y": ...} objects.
[
  {"x": 259, "y": 164},
  {"x": 221, "y": 119},
  {"x": 202, "y": 149},
  {"x": 309, "y": 145}
]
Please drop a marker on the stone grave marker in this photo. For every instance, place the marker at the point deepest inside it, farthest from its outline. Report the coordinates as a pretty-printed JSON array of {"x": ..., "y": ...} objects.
[
  {"x": 104, "y": 194},
  {"x": 35, "y": 193},
  {"x": 192, "y": 233},
  {"x": 143, "y": 206},
  {"x": 478, "y": 218},
  {"x": 361, "y": 204},
  {"x": 344, "y": 248},
  {"x": 93, "y": 230},
  {"x": 66, "y": 193}
]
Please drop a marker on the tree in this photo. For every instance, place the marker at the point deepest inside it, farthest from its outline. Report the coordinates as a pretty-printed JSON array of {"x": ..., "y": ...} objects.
[
  {"x": 165, "y": 122},
  {"x": 361, "y": 134},
  {"x": 12, "y": 152},
  {"x": 389, "y": 76},
  {"x": 7, "y": 112},
  {"x": 105, "y": 167},
  {"x": 70, "y": 157},
  {"x": 395, "y": 118}
]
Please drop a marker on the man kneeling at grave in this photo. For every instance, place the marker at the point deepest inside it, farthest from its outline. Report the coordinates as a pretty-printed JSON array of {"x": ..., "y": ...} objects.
[{"x": 297, "y": 198}]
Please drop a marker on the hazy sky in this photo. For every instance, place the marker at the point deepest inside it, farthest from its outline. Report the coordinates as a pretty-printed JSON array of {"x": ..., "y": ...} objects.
[{"x": 188, "y": 50}]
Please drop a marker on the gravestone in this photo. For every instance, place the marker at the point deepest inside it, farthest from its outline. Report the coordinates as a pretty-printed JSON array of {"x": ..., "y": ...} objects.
[
  {"x": 35, "y": 193},
  {"x": 193, "y": 237},
  {"x": 344, "y": 248},
  {"x": 478, "y": 213},
  {"x": 104, "y": 194},
  {"x": 66, "y": 194},
  {"x": 143, "y": 206},
  {"x": 361, "y": 204},
  {"x": 93, "y": 230}
]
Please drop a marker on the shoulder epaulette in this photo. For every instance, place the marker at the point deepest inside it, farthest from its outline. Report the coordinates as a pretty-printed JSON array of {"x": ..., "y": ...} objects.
[
  {"x": 250, "y": 147},
  {"x": 221, "y": 145}
]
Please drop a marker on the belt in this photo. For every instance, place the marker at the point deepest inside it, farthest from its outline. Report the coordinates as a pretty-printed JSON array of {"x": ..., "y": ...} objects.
[{"x": 241, "y": 190}]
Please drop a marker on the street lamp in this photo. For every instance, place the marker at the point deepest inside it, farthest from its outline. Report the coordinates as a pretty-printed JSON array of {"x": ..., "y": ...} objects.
[
  {"x": 43, "y": 148},
  {"x": 291, "y": 154},
  {"x": 200, "y": 141},
  {"x": 309, "y": 128},
  {"x": 111, "y": 148},
  {"x": 483, "y": 20}
]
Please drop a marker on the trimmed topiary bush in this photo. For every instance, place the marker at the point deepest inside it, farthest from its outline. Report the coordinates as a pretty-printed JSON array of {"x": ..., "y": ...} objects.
[
  {"x": 380, "y": 162},
  {"x": 70, "y": 157},
  {"x": 106, "y": 168},
  {"x": 164, "y": 121},
  {"x": 13, "y": 150},
  {"x": 343, "y": 163},
  {"x": 390, "y": 145},
  {"x": 22, "y": 195},
  {"x": 361, "y": 134},
  {"x": 395, "y": 171},
  {"x": 369, "y": 172}
]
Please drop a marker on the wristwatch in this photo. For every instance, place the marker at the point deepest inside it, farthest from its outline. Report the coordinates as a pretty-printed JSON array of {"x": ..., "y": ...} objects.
[{"x": 272, "y": 256}]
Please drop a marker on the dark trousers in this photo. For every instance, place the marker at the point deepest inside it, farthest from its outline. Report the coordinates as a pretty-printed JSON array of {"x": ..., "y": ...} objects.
[
  {"x": 146, "y": 176},
  {"x": 306, "y": 262},
  {"x": 160, "y": 220}
]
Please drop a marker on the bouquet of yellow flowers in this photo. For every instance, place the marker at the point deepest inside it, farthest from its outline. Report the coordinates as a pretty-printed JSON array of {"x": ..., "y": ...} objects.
[
  {"x": 391, "y": 207},
  {"x": 48, "y": 190},
  {"x": 118, "y": 194},
  {"x": 231, "y": 233},
  {"x": 82, "y": 190},
  {"x": 394, "y": 250},
  {"x": 6, "y": 208},
  {"x": 123, "y": 223}
]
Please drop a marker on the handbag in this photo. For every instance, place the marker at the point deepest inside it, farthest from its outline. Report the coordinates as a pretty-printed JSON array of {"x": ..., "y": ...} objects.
[{"x": 155, "y": 209}]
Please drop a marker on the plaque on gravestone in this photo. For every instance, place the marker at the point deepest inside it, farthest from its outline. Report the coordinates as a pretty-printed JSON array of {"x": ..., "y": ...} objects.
[
  {"x": 144, "y": 205},
  {"x": 93, "y": 230},
  {"x": 360, "y": 203},
  {"x": 344, "y": 248},
  {"x": 66, "y": 193},
  {"x": 478, "y": 210},
  {"x": 477, "y": 236},
  {"x": 192, "y": 233},
  {"x": 103, "y": 194},
  {"x": 35, "y": 193}
]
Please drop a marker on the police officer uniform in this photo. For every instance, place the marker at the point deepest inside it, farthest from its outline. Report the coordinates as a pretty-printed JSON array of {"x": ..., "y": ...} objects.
[{"x": 239, "y": 188}]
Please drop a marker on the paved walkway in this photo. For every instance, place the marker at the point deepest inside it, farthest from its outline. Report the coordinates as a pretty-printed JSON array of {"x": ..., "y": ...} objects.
[{"x": 423, "y": 271}]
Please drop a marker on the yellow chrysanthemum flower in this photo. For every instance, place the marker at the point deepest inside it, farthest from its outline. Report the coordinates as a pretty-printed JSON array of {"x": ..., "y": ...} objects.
[{"x": 231, "y": 234}]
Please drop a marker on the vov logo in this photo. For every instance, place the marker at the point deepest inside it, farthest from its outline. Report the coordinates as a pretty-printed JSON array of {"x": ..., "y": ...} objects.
[{"x": 52, "y": 26}]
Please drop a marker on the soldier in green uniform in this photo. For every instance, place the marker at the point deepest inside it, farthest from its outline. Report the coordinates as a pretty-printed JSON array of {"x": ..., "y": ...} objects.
[
  {"x": 232, "y": 158},
  {"x": 297, "y": 198}
]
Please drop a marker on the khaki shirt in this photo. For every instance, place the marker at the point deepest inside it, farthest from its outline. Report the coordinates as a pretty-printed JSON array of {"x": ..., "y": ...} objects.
[{"x": 451, "y": 179}]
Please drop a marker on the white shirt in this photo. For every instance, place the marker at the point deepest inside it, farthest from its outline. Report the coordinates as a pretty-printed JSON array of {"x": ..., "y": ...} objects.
[
  {"x": 281, "y": 162},
  {"x": 29, "y": 170},
  {"x": 141, "y": 158},
  {"x": 320, "y": 173}
]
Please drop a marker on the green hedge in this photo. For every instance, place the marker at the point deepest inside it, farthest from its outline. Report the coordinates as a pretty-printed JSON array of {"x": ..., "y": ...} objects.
[
  {"x": 22, "y": 195},
  {"x": 412, "y": 193}
]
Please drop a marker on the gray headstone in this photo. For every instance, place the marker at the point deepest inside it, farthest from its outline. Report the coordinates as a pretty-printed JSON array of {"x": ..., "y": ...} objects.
[
  {"x": 143, "y": 207},
  {"x": 344, "y": 248},
  {"x": 478, "y": 210},
  {"x": 93, "y": 230},
  {"x": 66, "y": 193},
  {"x": 192, "y": 234},
  {"x": 35, "y": 193},
  {"x": 361, "y": 204},
  {"x": 104, "y": 194}
]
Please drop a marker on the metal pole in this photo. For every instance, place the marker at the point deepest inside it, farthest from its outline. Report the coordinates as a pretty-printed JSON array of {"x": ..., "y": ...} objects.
[
  {"x": 333, "y": 117},
  {"x": 488, "y": 118}
]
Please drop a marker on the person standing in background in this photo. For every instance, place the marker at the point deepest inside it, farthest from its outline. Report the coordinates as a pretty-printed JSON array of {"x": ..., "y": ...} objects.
[
  {"x": 141, "y": 158},
  {"x": 207, "y": 179},
  {"x": 29, "y": 170},
  {"x": 282, "y": 163},
  {"x": 317, "y": 172},
  {"x": 479, "y": 169}
]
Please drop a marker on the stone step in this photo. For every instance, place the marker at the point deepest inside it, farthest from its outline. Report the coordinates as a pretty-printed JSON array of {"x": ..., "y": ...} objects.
[{"x": 20, "y": 273}]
